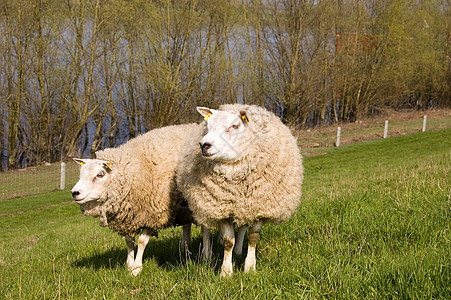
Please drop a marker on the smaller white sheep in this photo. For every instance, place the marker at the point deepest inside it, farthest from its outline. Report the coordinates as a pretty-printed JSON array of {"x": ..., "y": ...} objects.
[
  {"x": 132, "y": 188},
  {"x": 248, "y": 171}
]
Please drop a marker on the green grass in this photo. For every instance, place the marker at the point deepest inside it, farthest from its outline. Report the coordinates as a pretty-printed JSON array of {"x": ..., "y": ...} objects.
[{"x": 374, "y": 222}]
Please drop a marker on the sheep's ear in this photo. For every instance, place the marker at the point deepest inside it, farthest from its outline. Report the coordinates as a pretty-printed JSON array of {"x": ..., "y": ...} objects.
[
  {"x": 244, "y": 117},
  {"x": 205, "y": 112},
  {"x": 107, "y": 165},
  {"x": 80, "y": 161}
]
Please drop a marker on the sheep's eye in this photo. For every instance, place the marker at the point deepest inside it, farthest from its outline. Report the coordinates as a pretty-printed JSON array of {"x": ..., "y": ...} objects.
[
  {"x": 100, "y": 175},
  {"x": 233, "y": 127}
]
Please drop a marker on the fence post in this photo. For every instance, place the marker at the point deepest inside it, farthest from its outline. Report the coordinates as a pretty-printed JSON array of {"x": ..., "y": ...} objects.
[
  {"x": 63, "y": 176},
  {"x": 338, "y": 137},
  {"x": 424, "y": 123},
  {"x": 386, "y": 129}
]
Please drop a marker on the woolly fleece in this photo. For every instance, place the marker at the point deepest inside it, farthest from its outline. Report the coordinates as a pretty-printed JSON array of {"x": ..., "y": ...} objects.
[
  {"x": 264, "y": 184},
  {"x": 142, "y": 192}
]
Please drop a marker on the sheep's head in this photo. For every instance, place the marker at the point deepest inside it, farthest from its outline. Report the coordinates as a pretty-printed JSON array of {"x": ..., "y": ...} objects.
[
  {"x": 228, "y": 134},
  {"x": 89, "y": 191}
]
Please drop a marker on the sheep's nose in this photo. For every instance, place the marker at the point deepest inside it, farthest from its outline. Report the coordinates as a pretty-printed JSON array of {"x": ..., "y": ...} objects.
[
  {"x": 205, "y": 146},
  {"x": 75, "y": 194}
]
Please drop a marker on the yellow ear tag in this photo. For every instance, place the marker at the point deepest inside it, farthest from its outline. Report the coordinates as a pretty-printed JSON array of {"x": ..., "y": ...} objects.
[
  {"x": 245, "y": 119},
  {"x": 81, "y": 164},
  {"x": 207, "y": 116},
  {"x": 108, "y": 166}
]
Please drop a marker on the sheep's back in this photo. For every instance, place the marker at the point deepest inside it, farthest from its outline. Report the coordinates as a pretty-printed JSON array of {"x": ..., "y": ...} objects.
[{"x": 143, "y": 192}]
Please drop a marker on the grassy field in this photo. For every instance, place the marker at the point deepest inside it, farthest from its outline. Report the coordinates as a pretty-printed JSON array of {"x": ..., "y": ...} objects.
[{"x": 374, "y": 222}]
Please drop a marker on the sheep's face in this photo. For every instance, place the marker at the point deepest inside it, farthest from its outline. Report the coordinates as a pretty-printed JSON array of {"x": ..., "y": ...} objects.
[
  {"x": 228, "y": 135},
  {"x": 89, "y": 191}
]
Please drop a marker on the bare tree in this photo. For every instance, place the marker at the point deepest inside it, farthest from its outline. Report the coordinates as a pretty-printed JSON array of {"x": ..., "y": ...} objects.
[{"x": 17, "y": 72}]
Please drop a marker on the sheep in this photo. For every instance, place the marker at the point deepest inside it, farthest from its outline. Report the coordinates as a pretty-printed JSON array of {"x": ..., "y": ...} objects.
[
  {"x": 248, "y": 171},
  {"x": 132, "y": 188}
]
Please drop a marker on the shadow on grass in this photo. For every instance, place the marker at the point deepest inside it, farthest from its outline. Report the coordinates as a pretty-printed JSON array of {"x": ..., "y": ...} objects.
[
  {"x": 165, "y": 251},
  {"x": 110, "y": 259}
]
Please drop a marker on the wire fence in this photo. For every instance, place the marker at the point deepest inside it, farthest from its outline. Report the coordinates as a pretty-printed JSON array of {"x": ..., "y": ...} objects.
[{"x": 37, "y": 180}]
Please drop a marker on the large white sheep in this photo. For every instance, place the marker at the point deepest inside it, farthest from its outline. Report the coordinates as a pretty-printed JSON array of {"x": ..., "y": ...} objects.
[
  {"x": 248, "y": 171},
  {"x": 132, "y": 188}
]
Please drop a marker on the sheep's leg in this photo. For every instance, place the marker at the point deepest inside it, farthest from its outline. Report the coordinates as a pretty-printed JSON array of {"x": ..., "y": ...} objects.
[
  {"x": 220, "y": 239},
  {"x": 253, "y": 236},
  {"x": 142, "y": 243},
  {"x": 238, "y": 250},
  {"x": 130, "y": 252},
  {"x": 229, "y": 241},
  {"x": 207, "y": 246},
  {"x": 186, "y": 236}
]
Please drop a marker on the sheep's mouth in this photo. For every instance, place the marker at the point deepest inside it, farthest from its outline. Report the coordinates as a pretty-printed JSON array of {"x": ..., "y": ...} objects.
[
  {"x": 209, "y": 155},
  {"x": 80, "y": 201},
  {"x": 84, "y": 200}
]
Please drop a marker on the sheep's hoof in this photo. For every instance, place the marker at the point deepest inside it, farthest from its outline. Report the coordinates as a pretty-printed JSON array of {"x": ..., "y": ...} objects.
[
  {"x": 249, "y": 267},
  {"x": 185, "y": 249},
  {"x": 226, "y": 272},
  {"x": 130, "y": 267},
  {"x": 137, "y": 270},
  {"x": 206, "y": 256}
]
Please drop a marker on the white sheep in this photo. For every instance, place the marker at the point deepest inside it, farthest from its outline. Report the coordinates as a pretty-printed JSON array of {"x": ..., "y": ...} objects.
[
  {"x": 132, "y": 188},
  {"x": 248, "y": 171}
]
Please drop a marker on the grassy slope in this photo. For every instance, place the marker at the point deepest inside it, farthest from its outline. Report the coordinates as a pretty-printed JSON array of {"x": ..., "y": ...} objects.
[
  {"x": 374, "y": 222},
  {"x": 321, "y": 140}
]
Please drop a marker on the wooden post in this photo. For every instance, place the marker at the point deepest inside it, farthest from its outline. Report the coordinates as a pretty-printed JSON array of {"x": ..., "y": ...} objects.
[
  {"x": 424, "y": 123},
  {"x": 63, "y": 176},
  {"x": 386, "y": 129},
  {"x": 338, "y": 137}
]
